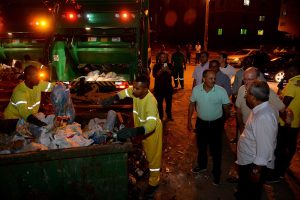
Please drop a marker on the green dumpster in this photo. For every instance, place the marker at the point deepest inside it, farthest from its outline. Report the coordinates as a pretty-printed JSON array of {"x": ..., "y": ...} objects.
[{"x": 94, "y": 172}]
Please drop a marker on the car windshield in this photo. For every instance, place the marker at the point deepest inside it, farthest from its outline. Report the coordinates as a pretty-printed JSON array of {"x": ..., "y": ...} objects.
[{"x": 242, "y": 52}]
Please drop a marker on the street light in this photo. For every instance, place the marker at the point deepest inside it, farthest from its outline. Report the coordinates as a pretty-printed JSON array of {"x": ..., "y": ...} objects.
[{"x": 206, "y": 25}]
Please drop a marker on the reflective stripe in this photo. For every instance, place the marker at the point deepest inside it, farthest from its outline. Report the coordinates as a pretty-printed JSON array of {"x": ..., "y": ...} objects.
[
  {"x": 154, "y": 170},
  {"x": 126, "y": 92},
  {"x": 143, "y": 120},
  {"x": 135, "y": 112},
  {"x": 19, "y": 102},
  {"x": 151, "y": 117},
  {"x": 31, "y": 107},
  {"x": 181, "y": 79},
  {"x": 25, "y": 102},
  {"x": 48, "y": 87},
  {"x": 175, "y": 79}
]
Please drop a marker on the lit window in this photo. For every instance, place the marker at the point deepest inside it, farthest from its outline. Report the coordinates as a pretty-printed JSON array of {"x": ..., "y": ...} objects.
[
  {"x": 243, "y": 31},
  {"x": 260, "y": 32},
  {"x": 246, "y": 2},
  {"x": 220, "y": 31},
  {"x": 262, "y": 18}
]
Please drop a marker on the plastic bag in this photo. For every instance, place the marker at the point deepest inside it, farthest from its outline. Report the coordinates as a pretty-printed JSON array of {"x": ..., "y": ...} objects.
[
  {"x": 62, "y": 102},
  {"x": 110, "y": 120}
]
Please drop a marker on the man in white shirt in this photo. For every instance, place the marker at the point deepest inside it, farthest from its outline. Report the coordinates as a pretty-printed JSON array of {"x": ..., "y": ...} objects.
[
  {"x": 256, "y": 145},
  {"x": 225, "y": 67},
  {"x": 198, "y": 52},
  {"x": 204, "y": 64},
  {"x": 243, "y": 111}
]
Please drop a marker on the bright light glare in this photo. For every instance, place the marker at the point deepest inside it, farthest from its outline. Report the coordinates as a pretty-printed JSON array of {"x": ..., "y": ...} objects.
[
  {"x": 42, "y": 75},
  {"x": 125, "y": 15},
  {"x": 71, "y": 16},
  {"x": 40, "y": 24}
]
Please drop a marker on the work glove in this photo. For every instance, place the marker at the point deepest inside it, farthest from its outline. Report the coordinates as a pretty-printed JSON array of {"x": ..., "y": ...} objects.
[
  {"x": 34, "y": 120},
  {"x": 109, "y": 101},
  {"x": 125, "y": 133}
]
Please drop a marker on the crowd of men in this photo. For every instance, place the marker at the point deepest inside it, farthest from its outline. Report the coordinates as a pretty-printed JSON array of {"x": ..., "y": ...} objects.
[{"x": 267, "y": 123}]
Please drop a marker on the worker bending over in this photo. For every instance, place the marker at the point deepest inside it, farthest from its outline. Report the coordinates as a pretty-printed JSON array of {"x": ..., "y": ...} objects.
[
  {"x": 25, "y": 100},
  {"x": 146, "y": 123}
]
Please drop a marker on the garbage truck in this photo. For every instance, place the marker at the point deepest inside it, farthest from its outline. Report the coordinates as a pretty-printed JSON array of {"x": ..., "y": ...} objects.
[{"x": 98, "y": 41}]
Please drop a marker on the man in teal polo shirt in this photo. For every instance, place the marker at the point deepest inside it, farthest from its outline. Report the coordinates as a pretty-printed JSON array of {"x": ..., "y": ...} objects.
[{"x": 210, "y": 101}]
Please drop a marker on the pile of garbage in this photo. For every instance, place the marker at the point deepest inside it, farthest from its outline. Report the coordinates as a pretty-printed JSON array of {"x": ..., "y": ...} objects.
[
  {"x": 61, "y": 130},
  {"x": 97, "y": 76},
  {"x": 58, "y": 134},
  {"x": 9, "y": 73}
]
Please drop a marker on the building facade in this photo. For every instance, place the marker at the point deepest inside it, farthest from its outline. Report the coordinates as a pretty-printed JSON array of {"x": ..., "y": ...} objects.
[
  {"x": 232, "y": 23},
  {"x": 240, "y": 23}
]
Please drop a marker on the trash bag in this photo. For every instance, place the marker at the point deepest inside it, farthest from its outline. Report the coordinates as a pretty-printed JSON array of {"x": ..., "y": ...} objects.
[
  {"x": 110, "y": 120},
  {"x": 62, "y": 102}
]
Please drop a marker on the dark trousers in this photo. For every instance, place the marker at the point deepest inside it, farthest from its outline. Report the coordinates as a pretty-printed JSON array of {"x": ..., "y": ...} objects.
[
  {"x": 188, "y": 58},
  {"x": 285, "y": 148},
  {"x": 198, "y": 57},
  {"x": 247, "y": 189},
  {"x": 168, "y": 98},
  {"x": 178, "y": 76},
  {"x": 209, "y": 133}
]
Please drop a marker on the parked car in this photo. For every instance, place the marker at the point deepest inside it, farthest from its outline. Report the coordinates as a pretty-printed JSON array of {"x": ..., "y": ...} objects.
[
  {"x": 275, "y": 70},
  {"x": 236, "y": 58}
]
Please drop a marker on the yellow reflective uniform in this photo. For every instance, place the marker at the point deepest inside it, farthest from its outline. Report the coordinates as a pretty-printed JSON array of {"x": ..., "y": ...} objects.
[
  {"x": 145, "y": 113},
  {"x": 25, "y": 101},
  {"x": 292, "y": 89}
]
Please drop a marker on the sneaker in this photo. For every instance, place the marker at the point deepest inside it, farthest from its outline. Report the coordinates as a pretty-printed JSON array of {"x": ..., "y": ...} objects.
[{"x": 197, "y": 170}]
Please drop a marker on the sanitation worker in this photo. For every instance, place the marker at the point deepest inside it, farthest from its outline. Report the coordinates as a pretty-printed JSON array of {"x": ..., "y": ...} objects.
[
  {"x": 147, "y": 124},
  {"x": 25, "y": 100}
]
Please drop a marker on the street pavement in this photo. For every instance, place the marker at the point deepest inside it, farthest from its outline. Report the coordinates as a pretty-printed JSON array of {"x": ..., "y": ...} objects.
[{"x": 179, "y": 156}]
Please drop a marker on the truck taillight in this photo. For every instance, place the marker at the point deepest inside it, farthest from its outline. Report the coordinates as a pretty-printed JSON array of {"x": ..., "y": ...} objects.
[
  {"x": 124, "y": 15},
  {"x": 40, "y": 24},
  {"x": 71, "y": 16},
  {"x": 121, "y": 84}
]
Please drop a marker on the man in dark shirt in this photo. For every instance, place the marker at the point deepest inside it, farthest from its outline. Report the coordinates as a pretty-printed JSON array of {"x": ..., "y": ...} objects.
[
  {"x": 178, "y": 62},
  {"x": 163, "y": 89},
  {"x": 221, "y": 78}
]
